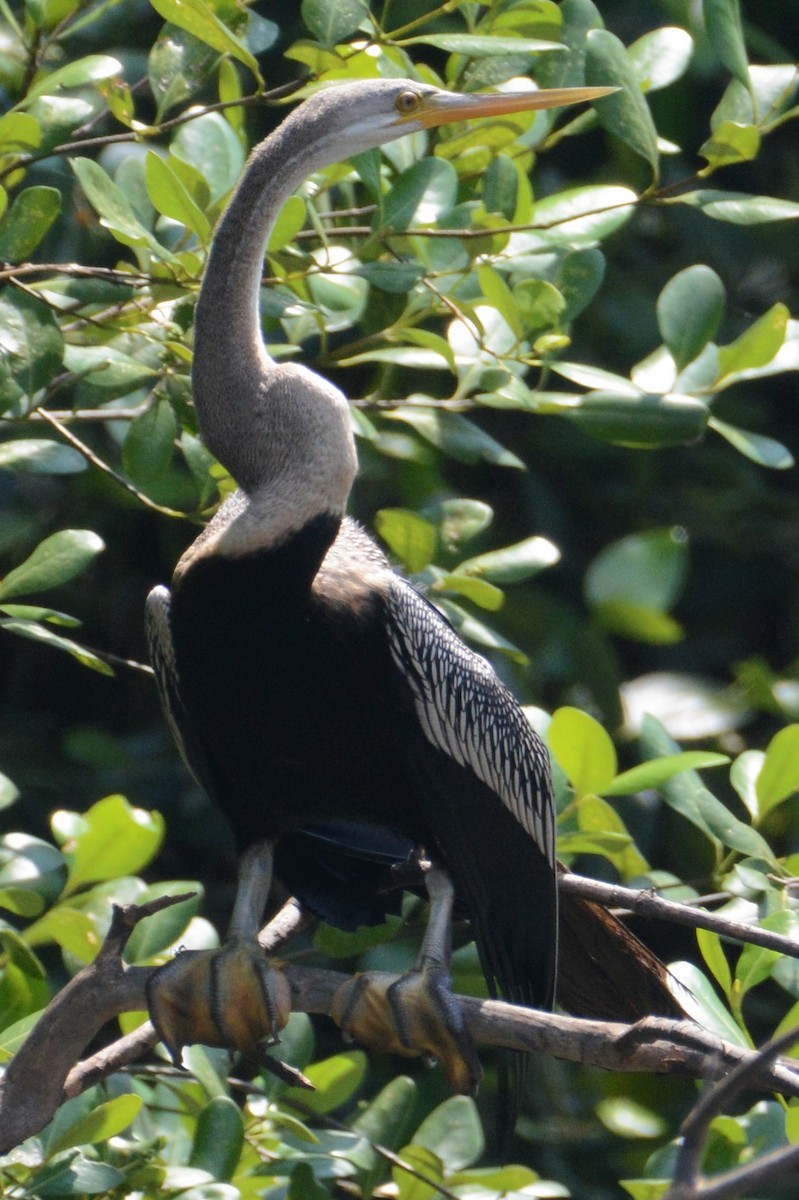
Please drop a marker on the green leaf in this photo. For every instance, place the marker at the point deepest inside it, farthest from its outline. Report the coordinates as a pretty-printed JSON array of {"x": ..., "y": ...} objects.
[
  {"x": 540, "y": 305},
  {"x": 732, "y": 142},
  {"x": 479, "y": 591},
  {"x": 453, "y": 1132},
  {"x": 113, "y": 207},
  {"x": 103, "y": 1122},
  {"x": 28, "y": 221},
  {"x": 582, "y": 216},
  {"x": 476, "y": 45},
  {"x": 73, "y": 1175},
  {"x": 756, "y": 963},
  {"x": 31, "y": 347},
  {"x": 108, "y": 370},
  {"x": 701, "y": 1002},
  {"x": 461, "y": 520},
  {"x": 599, "y": 821},
  {"x": 779, "y": 775},
  {"x": 218, "y": 1138},
  {"x": 56, "y": 560},
  {"x": 332, "y": 23},
  {"x": 113, "y": 838},
  {"x": 514, "y": 563},
  {"x": 690, "y": 310},
  {"x": 743, "y": 777},
  {"x": 343, "y": 943},
  {"x": 646, "y": 569},
  {"x": 456, "y": 436},
  {"x": 626, "y": 113},
  {"x": 335, "y": 1079},
  {"x": 757, "y": 345},
  {"x": 628, "y": 1119},
  {"x": 8, "y": 792},
  {"x": 715, "y": 959},
  {"x": 660, "y": 57},
  {"x": 739, "y": 208},
  {"x": 39, "y": 633},
  {"x": 655, "y": 772},
  {"x": 170, "y": 197},
  {"x": 38, "y": 456},
  {"x": 499, "y": 295},
  {"x": 303, "y": 1184},
  {"x": 288, "y": 224},
  {"x": 23, "y": 983},
  {"x": 21, "y": 901},
  {"x": 686, "y": 794},
  {"x": 765, "y": 451},
  {"x": 92, "y": 69},
  {"x": 426, "y": 1166},
  {"x": 163, "y": 929},
  {"x": 583, "y": 749},
  {"x": 211, "y": 147},
  {"x": 644, "y": 421},
  {"x": 420, "y": 195},
  {"x": 501, "y": 187},
  {"x": 150, "y": 444},
  {"x": 199, "y": 19},
  {"x": 410, "y": 537},
  {"x": 627, "y": 619},
  {"x": 385, "y": 1122},
  {"x": 726, "y": 37}
]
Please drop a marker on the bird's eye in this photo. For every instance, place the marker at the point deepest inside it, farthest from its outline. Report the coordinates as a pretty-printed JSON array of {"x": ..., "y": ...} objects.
[{"x": 407, "y": 103}]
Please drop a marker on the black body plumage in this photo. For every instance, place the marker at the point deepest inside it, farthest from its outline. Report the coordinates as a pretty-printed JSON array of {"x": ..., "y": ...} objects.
[{"x": 325, "y": 704}]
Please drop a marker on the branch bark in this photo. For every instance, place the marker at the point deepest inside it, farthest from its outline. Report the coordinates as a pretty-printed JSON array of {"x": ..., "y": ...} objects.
[{"x": 46, "y": 1070}]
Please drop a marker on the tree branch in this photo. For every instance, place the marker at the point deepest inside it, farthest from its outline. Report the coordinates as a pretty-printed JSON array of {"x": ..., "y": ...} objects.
[
  {"x": 688, "y": 1182},
  {"x": 46, "y": 1070},
  {"x": 646, "y": 903}
]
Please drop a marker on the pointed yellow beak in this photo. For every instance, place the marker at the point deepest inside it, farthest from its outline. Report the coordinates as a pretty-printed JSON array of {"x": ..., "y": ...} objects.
[{"x": 442, "y": 107}]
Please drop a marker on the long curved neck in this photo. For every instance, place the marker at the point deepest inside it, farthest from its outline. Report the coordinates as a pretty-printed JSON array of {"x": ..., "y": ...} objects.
[{"x": 231, "y": 365}]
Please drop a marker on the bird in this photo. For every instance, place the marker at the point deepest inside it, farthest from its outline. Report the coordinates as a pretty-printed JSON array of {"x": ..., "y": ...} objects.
[{"x": 323, "y": 703}]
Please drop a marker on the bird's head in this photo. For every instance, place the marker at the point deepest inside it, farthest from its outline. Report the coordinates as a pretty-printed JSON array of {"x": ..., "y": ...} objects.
[{"x": 350, "y": 118}]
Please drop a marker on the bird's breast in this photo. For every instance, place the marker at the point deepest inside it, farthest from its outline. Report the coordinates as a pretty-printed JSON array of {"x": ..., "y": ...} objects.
[{"x": 287, "y": 685}]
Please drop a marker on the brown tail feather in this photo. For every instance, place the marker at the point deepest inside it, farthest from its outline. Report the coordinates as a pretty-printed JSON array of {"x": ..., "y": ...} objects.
[{"x": 604, "y": 971}]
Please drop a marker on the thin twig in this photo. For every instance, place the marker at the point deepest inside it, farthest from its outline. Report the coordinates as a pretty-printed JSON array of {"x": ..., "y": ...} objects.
[
  {"x": 648, "y": 904},
  {"x": 688, "y": 1183},
  {"x": 98, "y": 462}
]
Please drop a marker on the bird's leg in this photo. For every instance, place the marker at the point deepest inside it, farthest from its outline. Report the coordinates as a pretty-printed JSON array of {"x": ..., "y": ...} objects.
[
  {"x": 231, "y": 997},
  {"x": 416, "y": 1014}
]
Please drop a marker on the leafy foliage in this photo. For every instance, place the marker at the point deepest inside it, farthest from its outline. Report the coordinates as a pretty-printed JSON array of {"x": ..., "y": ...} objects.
[{"x": 520, "y": 308}]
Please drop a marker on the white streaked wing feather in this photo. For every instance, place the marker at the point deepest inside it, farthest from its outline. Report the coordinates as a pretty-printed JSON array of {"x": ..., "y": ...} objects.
[{"x": 465, "y": 711}]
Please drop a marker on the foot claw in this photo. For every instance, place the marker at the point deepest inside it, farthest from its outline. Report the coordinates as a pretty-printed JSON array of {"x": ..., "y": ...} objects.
[
  {"x": 231, "y": 998},
  {"x": 413, "y": 1015}
]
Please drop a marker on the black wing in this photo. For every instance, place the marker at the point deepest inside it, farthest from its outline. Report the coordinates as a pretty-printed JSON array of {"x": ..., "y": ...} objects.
[{"x": 482, "y": 780}]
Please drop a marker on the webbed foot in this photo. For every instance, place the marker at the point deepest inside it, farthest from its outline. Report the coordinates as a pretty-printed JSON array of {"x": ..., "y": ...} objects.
[
  {"x": 232, "y": 997},
  {"x": 417, "y": 1013}
]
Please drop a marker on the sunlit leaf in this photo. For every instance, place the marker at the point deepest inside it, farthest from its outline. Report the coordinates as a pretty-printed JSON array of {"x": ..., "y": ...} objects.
[
  {"x": 583, "y": 749},
  {"x": 626, "y": 113},
  {"x": 55, "y": 561},
  {"x": 332, "y": 23},
  {"x": 27, "y": 222},
  {"x": 104, "y": 1121},
  {"x": 335, "y": 1080},
  {"x": 409, "y": 536},
  {"x": 690, "y": 309},
  {"x": 654, "y": 773},
  {"x": 765, "y": 451},
  {"x": 113, "y": 838},
  {"x": 779, "y": 776},
  {"x": 453, "y": 1132},
  {"x": 218, "y": 1138},
  {"x": 725, "y": 36}
]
